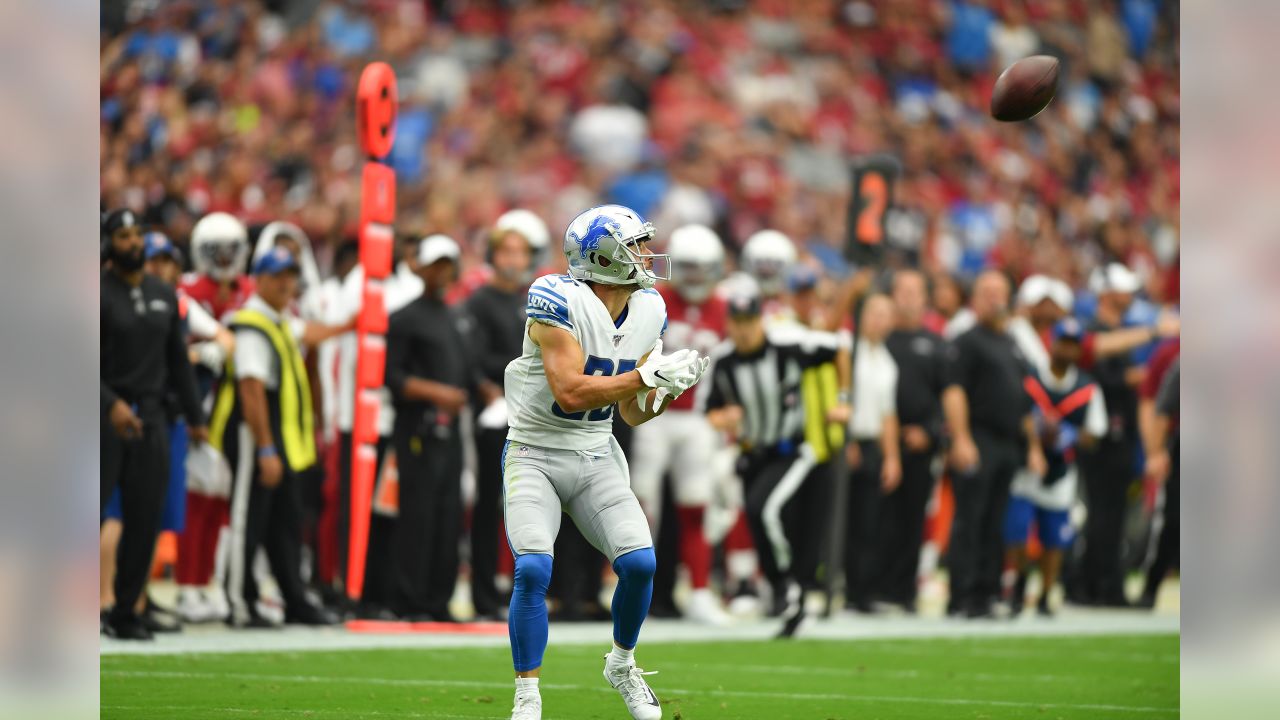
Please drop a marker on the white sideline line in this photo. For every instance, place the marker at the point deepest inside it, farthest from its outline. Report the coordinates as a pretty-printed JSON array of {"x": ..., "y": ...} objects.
[
  {"x": 676, "y": 691},
  {"x": 305, "y": 713},
  {"x": 870, "y": 673}
]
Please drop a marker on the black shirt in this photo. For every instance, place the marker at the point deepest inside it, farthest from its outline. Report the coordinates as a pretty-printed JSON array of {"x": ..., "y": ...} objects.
[
  {"x": 144, "y": 349},
  {"x": 497, "y": 330},
  {"x": 923, "y": 370},
  {"x": 424, "y": 340},
  {"x": 766, "y": 385},
  {"x": 990, "y": 368}
]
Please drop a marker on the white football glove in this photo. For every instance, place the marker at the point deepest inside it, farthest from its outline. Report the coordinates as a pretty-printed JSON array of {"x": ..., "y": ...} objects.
[
  {"x": 211, "y": 355},
  {"x": 670, "y": 374}
]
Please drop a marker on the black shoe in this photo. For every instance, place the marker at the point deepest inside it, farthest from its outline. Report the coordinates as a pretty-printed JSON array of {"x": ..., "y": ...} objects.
[
  {"x": 1018, "y": 596},
  {"x": 373, "y": 611},
  {"x": 128, "y": 627},
  {"x": 862, "y": 607},
  {"x": 981, "y": 610},
  {"x": 159, "y": 622},
  {"x": 792, "y": 623},
  {"x": 308, "y": 614},
  {"x": 254, "y": 621},
  {"x": 102, "y": 621},
  {"x": 155, "y": 608},
  {"x": 664, "y": 611},
  {"x": 1042, "y": 607}
]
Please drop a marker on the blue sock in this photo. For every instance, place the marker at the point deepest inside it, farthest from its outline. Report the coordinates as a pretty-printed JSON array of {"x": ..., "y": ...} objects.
[
  {"x": 631, "y": 598},
  {"x": 527, "y": 619}
]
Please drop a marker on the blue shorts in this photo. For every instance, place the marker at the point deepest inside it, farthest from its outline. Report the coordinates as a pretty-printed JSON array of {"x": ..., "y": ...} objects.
[
  {"x": 174, "y": 515},
  {"x": 1053, "y": 526}
]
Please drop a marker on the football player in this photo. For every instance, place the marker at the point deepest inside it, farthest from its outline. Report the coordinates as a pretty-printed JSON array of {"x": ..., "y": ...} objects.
[{"x": 592, "y": 342}]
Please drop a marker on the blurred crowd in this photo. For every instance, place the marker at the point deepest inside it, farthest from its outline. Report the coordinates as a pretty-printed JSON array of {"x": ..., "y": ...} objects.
[{"x": 733, "y": 115}]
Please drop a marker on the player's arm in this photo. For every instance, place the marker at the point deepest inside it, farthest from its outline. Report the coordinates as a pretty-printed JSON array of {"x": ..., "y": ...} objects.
[{"x": 563, "y": 361}]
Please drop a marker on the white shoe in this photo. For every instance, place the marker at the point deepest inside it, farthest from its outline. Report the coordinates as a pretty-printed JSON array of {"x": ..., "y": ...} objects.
[
  {"x": 192, "y": 607},
  {"x": 528, "y": 706},
  {"x": 635, "y": 692},
  {"x": 217, "y": 599},
  {"x": 705, "y": 609}
]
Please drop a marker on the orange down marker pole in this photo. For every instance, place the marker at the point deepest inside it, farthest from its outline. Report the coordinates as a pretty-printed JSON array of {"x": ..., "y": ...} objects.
[{"x": 376, "y": 128}]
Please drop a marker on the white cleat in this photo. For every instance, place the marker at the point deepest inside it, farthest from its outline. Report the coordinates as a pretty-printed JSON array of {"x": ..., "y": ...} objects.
[
  {"x": 704, "y": 608},
  {"x": 193, "y": 607},
  {"x": 635, "y": 692},
  {"x": 528, "y": 706}
]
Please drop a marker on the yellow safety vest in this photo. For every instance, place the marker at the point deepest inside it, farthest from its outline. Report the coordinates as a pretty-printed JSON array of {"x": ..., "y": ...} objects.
[
  {"x": 297, "y": 423},
  {"x": 819, "y": 390}
]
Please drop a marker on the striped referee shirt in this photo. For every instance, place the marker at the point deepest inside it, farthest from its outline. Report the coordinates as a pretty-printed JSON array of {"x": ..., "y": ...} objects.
[{"x": 766, "y": 385}]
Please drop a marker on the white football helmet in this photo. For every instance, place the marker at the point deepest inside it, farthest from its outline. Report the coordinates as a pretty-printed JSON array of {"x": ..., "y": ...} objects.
[
  {"x": 530, "y": 227},
  {"x": 602, "y": 245},
  {"x": 219, "y": 246},
  {"x": 768, "y": 256},
  {"x": 697, "y": 261}
]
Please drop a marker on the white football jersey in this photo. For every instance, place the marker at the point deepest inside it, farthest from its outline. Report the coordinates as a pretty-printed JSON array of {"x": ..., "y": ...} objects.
[{"x": 609, "y": 348}]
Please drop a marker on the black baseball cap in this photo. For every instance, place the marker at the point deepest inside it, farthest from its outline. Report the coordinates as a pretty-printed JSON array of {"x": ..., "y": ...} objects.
[
  {"x": 117, "y": 219},
  {"x": 742, "y": 305}
]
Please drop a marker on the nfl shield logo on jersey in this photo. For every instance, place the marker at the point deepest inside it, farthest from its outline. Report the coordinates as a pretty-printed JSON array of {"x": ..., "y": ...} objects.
[{"x": 617, "y": 339}]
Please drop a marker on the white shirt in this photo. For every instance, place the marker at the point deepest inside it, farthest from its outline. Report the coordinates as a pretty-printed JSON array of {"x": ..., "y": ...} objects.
[
  {"x": 399, "y": 289},
  {"x": 609, "y": 348},
  {"x": 200, "y": 324},
  {"x": 875, "y": 390},
  {"x": 254, "y": 356}
]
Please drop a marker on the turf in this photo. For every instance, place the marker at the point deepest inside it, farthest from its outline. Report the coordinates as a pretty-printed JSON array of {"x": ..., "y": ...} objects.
[{"x": 1091, "y": 677}]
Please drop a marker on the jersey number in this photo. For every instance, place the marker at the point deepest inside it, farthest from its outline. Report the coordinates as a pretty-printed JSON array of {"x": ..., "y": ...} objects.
[{"x": 596, "y": 366}]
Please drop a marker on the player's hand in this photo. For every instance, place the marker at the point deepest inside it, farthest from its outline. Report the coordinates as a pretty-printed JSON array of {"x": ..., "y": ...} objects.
[
  {"x": 270, "y": 470},
  {"x": 198, "y": 433},
  {"x": 675, "y": 372},
  {"x": 727, "y": 419},
  {"x": 124, "y": 422},
  {"x": 839, "y": 414},
  {"x": 890, "y": 474},
  {"x": 211, "y": 355},
  {"x": 915, "y": 438},
  {"x": 964, "y": 454}
]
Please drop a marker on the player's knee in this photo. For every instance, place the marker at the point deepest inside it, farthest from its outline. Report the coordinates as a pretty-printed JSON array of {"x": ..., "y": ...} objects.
[
  {"x": 533, "y": 574},
  {"x": 530, "y": 539},
  {"x": 637, "y": 565}
]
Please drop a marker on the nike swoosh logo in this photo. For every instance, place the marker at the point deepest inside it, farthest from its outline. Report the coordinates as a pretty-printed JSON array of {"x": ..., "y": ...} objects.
[
  {"x": 653, "y": 699},
  {"x": 658, "y": 374}
]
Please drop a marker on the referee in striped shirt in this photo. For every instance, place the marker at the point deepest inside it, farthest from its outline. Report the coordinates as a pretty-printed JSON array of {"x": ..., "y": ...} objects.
[{"x": 755, "y": 396}]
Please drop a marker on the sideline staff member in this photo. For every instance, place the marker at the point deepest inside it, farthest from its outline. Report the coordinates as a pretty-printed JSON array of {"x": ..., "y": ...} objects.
[
  {"x": 143, "y": 353},
  {"x": 428, "y": 373},
  {"x": 989, "y": 415},
  {"x": 264, "y": 423}
]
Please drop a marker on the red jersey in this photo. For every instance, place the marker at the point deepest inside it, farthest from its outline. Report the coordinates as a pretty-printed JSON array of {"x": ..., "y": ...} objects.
[
  {"x": 700, "y": 327},
  {"x": 206, "y": 291}
]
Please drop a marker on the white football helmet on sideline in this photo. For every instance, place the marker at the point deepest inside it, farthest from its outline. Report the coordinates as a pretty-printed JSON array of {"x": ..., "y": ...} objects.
[
  {"x": 768, "y": 256},
  {"x": 602, "y": 245},
  {"x": 697, "y": 261},
  {"x": 219, "y": 246},
  {"x": 528, "y": 226}
]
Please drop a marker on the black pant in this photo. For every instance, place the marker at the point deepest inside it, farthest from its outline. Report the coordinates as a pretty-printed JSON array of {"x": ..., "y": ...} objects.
[
  {"x": 813, "y": 510},
  {"x": 1167, "y": 555},
  {"x": 265, "y": 517},
  {"x": 378, "y": 575},
  {"x": 976, "y": 553},
  {"x": 484, "y": 520},
  {"x": 140, "y": 468},
  {"x": 902, "y": 527},
  {"x": 1107, "y": 473},
  {"x": 425, "y": 548},
  {"x": 774, "y": 535},
  {"x": 863, "y": 524}
]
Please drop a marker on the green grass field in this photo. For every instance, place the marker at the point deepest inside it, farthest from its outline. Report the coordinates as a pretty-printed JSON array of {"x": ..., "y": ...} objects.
[{"x": 1007, "y": 677}]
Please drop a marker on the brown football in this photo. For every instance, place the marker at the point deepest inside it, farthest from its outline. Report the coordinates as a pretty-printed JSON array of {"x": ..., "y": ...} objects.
[{"x": 1024, "y": 88}]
